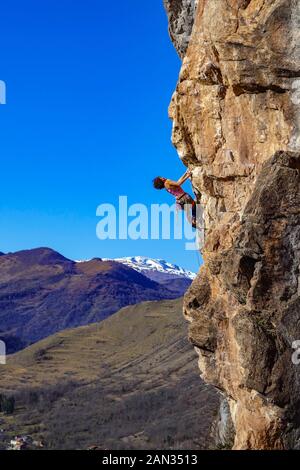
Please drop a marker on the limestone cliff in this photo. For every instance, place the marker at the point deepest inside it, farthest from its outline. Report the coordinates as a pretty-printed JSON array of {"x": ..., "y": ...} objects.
[
  {"x": 181, "y": 15},
  {"x": 236, "y": 121}
]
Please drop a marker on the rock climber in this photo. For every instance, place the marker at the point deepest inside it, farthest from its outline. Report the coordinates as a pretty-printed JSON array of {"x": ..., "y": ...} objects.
[{"x": 183, "y": 199}]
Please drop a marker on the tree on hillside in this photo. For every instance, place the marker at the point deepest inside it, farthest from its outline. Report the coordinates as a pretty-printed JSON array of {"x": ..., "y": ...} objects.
[{"x": 7, "y": 404}]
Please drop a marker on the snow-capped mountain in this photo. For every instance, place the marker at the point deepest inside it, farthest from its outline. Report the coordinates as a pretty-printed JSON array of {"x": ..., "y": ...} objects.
[{"x": 146, "y": 265}]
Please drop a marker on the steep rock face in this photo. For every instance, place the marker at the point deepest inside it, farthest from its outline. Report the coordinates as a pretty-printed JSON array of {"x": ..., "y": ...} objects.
[
  {"x": 181, "y": 15},
  {"x": 236, "y": 125}
]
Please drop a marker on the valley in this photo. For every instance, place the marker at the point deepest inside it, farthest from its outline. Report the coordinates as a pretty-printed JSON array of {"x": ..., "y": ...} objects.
[{"x": 129, "y": 382}]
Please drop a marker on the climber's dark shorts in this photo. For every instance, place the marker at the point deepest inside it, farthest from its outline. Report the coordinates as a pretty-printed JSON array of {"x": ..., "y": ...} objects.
[{"x": 184, "y": 200}]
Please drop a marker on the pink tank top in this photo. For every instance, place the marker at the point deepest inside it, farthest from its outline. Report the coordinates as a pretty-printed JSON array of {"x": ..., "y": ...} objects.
[{"x": 177, "y": 192}]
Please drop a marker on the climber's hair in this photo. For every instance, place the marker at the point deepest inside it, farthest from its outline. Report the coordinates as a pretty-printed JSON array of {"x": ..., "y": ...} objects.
[{"x": 159, "y": 182}]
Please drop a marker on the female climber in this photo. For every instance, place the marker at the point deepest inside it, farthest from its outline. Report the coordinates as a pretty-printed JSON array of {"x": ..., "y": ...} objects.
[{"x": 183, "y": 199}]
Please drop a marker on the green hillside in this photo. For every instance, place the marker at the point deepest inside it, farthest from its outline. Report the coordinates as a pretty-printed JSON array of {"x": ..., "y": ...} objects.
[{"x": 131, "y": 381}]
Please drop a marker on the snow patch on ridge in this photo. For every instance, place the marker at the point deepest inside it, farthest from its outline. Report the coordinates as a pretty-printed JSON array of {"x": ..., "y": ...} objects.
[{"x": 142, "y": 264}]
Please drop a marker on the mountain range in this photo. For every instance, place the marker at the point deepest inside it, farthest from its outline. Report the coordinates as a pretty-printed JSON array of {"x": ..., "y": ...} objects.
[{"x": 42, "y": 292}]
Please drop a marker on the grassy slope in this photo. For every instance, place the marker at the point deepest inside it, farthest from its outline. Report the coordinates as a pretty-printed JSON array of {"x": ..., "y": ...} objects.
[{"x": 129, "y": 382}]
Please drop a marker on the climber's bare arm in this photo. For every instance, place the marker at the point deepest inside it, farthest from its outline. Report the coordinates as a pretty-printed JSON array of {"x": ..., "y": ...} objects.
[
  {"x": 185, "y": 177},
  {"x": 177, "y": 184}
]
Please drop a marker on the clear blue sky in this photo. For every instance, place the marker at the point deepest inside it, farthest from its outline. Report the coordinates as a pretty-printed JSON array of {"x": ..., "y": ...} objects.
[{"x": 88, "y": 88}]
